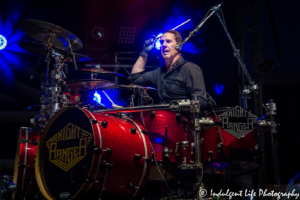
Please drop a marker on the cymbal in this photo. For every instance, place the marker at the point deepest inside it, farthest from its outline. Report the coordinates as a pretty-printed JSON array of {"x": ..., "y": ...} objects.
[
  {"x": 41, "y": 50},
  {"x": 90, "y": 84},
  {"x": 133, "y": 87},
  {"x": 101, "y": 72},
  {"x": 41, "y": 31}
]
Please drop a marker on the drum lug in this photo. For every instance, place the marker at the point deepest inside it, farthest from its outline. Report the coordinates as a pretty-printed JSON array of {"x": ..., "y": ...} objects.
[
  {"x": 149, "y": 159},
  {"x": 152, "y": 114},
  {"x": 106, "y": 164},
  {"x": 21, "y": 165},
  {"x": 145, "y": 132},
  {"x": 108, "y": 151},
  {"x": 220, "y": 147},
  {"x": 177, "y": 157},
  {"x": 133, "y": 130},
  {"x": 178, "y": 117},
  {"x": 130, "y": 185},
  {"x": 104, "y": 123},
  {"x": 23, "y": 141},
  {"x": 90, "y": 180},
  {"x": 93, "y": 121},
  {"x": 210, "y": 154},
  {"x": 35, "y": 142},
  {"x": 137, "y": 157},
  {"x": 97, "y": 149}
]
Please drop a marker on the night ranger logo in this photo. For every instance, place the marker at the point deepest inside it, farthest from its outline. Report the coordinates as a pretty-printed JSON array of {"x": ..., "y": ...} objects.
[
  {"x": 237, "y": 121},
  {"x": 66, "y": 158}
]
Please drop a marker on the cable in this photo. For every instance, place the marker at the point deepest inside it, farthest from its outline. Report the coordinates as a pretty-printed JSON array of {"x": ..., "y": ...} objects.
[
  {"x": 158, "y": 167},
  {"x": 219, "y": 127},
  {"x": 199, "y": 183}
]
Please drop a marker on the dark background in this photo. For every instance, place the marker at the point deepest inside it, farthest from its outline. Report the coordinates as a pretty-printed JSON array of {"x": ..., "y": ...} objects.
[{"x": 210, "y": 49}]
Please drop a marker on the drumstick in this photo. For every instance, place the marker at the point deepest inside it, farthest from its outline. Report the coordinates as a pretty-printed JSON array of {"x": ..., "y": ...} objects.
[
  {"x": 158, "y": 36},
  {"x": 182, "y": 24}
]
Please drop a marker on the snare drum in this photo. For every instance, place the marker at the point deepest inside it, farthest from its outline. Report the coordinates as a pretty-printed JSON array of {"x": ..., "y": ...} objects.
[
  {"x": 82, "y": 153},
  {"x": 237, "y": 135},
  {"x": 24, "y": 174}
]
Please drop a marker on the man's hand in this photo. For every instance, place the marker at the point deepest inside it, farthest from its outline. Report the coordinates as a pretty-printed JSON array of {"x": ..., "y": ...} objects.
[{"x": 148, "y": 45}]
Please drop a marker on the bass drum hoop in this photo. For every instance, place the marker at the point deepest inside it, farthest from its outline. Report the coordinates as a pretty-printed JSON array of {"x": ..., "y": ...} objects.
[{"x": 39, "y": 170}]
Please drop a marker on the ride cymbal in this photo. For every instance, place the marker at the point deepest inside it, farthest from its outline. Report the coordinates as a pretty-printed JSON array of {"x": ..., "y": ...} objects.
[
  {"x": 42, "y": 31},
  {"x": 101, "y": 72},
  {"x": 42, "y": 50},
  {"x": 133, "y": 87},
  {"x": 90, "y": 84}
]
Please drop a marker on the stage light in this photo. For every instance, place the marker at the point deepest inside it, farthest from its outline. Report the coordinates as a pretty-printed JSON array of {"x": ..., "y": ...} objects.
[
  {"x": 3, "y": 42},
  {"x": 97, "y": 97},
  {"x": 158, "y": 140},
  {"x": 127, "y": 35},
  {"x": 219, "y": 90},
  {"x": 157, "y": 43}
]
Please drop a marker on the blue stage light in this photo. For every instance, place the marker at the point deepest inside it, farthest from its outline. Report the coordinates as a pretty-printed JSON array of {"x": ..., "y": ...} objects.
[
  {"x": 219, "y": 90},
  {"x": 97, "y": 97},
  {"x": 3, "y": 42},
  {"x": 157, "y": 43},
  {"x": 158, "y": 140}
]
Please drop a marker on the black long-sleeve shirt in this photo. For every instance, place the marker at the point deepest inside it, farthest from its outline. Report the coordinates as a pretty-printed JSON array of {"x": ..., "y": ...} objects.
[{"x": 182, "y": 81}]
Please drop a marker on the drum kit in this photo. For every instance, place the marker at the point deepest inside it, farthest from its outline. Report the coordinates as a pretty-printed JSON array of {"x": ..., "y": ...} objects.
[{"x": 83, "y": 150}]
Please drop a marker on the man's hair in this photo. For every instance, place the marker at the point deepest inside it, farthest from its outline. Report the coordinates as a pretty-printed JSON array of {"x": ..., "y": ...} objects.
[{"x": 177, "y": 35}]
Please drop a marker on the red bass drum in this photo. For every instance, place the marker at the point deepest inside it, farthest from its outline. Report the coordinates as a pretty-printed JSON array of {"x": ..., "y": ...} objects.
[{"x": 92, "y": 155}]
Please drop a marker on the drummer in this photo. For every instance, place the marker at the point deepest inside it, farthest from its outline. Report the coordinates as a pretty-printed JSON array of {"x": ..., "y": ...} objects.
[{"x": 177, "y": 79}]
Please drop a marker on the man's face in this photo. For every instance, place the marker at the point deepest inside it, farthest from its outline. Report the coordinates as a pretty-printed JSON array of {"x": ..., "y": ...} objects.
[{"x": 168, "y": 44}]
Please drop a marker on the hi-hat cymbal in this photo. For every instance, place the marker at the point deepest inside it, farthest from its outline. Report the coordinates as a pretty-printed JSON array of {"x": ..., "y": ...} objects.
[
  {"x": 90, "y": 84},
  {"x": 41, "y": 31},
  {"x": 133, "y": 87},
  {"x": 41, "y": 50},
  {"x": 101, "y": 72}
]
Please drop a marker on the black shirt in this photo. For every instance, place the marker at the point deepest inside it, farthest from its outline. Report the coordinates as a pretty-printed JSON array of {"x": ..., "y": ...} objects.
[{"x": 182, "y": 81}]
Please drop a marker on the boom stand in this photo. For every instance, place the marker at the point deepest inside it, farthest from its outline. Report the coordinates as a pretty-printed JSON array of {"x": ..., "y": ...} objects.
[
  {"x": 252, "y": 86},
  {"x": 195, "y": 109}
]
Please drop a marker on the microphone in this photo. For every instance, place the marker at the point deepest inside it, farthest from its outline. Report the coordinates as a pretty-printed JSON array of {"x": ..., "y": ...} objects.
[
  {"x": 216, "y": 7},
  {"x": 178, "y": 47}
]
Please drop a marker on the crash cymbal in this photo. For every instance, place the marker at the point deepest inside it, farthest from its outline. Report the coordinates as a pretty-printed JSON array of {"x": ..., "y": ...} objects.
[
  {"x": 41, "y": 31},
  {"x": 41, "y": 50},
  {"x": 133, "y": 87},
  {"x": 90, "y": 84},
  {"x": 101, "y": 72}
]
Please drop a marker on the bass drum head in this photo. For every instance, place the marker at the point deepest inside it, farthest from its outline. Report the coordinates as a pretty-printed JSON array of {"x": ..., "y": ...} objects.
[{"x": 65, "y": 154}]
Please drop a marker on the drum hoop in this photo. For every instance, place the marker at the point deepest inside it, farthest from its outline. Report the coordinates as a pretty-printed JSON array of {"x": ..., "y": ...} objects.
[
  {"x": 135, "y": 109},
  {"x": 38, "y": 168}
]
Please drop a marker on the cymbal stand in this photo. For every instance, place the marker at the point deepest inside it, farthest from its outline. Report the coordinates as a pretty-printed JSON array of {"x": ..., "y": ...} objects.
[
  {"x": 195, "y": 109},
  {"x": 56, "y": 82},
  {"x": 73, "y": 55}
]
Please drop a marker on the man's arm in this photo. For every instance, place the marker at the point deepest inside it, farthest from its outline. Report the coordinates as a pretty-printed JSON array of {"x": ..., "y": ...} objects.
[{"x": 139, "y": 65}]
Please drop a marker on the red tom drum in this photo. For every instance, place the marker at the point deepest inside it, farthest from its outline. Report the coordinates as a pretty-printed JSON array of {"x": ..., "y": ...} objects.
[
  {"x": 160, "y": 122},
  {"x": 230, "y": 148}
]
